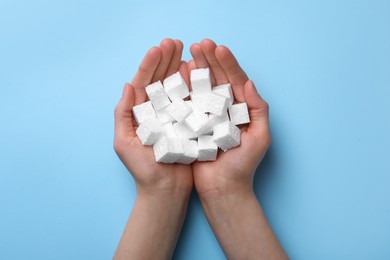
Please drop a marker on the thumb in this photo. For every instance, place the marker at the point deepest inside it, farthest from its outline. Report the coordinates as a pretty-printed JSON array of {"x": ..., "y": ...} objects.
[
  {"x": 258, "y": 111},
  {"x": 123, "y": 114}
]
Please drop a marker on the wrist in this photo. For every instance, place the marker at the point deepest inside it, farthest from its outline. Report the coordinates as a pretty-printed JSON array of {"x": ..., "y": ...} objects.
[
  {"x": 165, "y": 184},
  {"x": 240, "y": 225},
  {"x": 221, "y": 185},
  {"x": 227, "y": 193},
  {"x": 154, "y": 223},
  {"x": 163, "y": 194}
]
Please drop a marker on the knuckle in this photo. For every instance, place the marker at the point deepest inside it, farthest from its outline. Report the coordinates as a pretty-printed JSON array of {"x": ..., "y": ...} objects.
[
  {"x": 117, "y": 111},
  {"x": 118, "y": 146},
  {"x": 265, "y": 107}
]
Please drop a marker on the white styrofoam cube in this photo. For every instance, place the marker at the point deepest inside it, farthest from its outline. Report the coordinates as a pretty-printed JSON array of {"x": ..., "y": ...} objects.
[
  {"x": 199, "y": 101},
  {"x": 175, "y": 86},
  {"x": 178, "y": 109},
  {"x": 215, "y": 120},
  {"x": 224, "y": 90},
  {"x": 190, "y": 148},
  {"x": 143, "y": 111},
  {"x": 168, "y": 149},
  {"x": 169, "y": 130},
  {"x": 190, "y": 103},
  {"x": 200, "y": 81},
  {"x": 216, "y": 104},
  {"x": 183, "y": 131},
  {"x": 226, "y": 135},
  {"x": 150, "y": 131},
  {"x": 196, "y": 121},
  {"x": 157, "y": 95},
  {"x": 207, "y": 148},
  {"x": 164, "y": 117},
  {"x": 207, "y": 130},
  {"x": 192, "y": 94},
  {"x": 239, "y": 113}
]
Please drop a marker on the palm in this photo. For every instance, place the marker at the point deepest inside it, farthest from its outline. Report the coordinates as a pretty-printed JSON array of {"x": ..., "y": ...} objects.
[
  {"x": 159, "y": 63},
  {"x": 140, "y": 161},
  {"x": 236, "y": 165}
]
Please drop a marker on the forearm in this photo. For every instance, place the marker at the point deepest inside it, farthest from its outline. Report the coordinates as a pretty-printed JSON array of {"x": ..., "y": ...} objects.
[
  {"x": 153, "y": 226},
  {"x": 241, "y": 226}
]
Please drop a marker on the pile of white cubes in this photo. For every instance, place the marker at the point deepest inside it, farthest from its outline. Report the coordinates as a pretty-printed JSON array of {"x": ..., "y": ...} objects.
[{"x": 182, "y": 131}]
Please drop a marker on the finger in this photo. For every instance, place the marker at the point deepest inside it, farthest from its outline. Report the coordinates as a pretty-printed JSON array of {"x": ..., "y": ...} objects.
[
  {"x": 176, "y": 59},
  {"x": 200, "y": 59},
  {"x": 208, "y": 48},
  {"x": 167, "y": 47},
  {"x": 258, "y": 111},
  {"x": 191, "y": 66},
  {"x": 184, "y": 73},
  {"x": 145, "y": 73},
  {"x": 124, "y": 127},
  {"x": 235, "y": 74}
]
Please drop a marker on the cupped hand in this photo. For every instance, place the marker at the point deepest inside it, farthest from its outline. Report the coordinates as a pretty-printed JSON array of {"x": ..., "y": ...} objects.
[
  {"x": 233, "y": 170},
  {"x": 159, "y": 63}
]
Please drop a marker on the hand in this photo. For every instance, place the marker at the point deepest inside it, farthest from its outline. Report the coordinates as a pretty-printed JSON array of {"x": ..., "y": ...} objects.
[
  {"x": 163, "y": 190},
  {"x": 225, "y": 185},
  {"x": 233, "y": 170},
  {"x": 159, "y": 63}
]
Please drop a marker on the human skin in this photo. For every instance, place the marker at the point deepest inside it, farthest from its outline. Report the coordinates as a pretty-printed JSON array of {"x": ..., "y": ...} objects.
[
  {"x": 225, "y": 186},
  {"x": 163, "y": 190}
]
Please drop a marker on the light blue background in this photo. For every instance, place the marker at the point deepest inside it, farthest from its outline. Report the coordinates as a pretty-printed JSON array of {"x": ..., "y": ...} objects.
[{"x": 323, "y": 66}]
